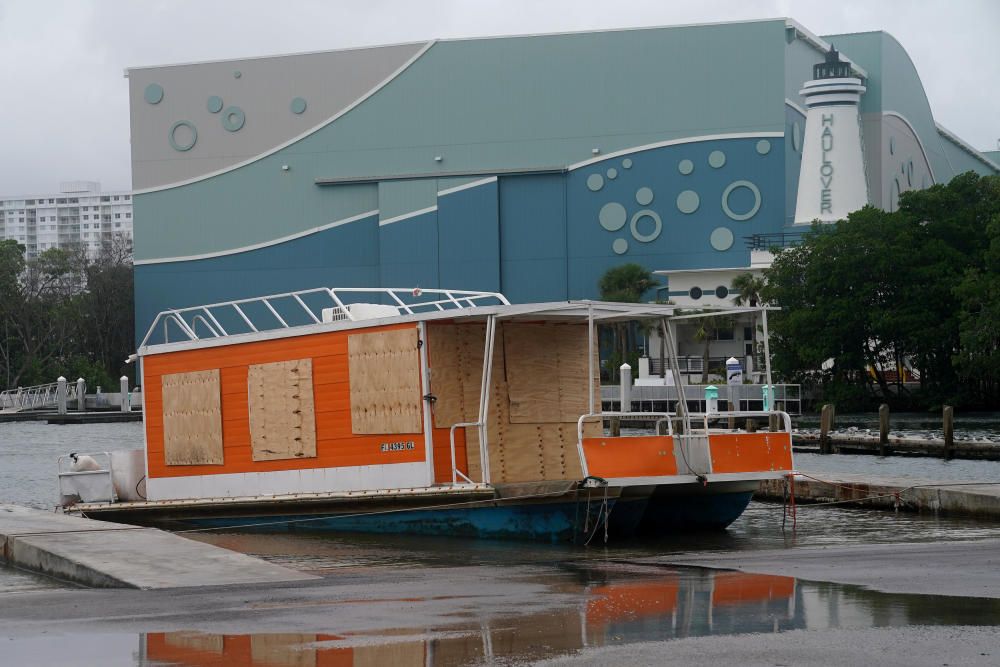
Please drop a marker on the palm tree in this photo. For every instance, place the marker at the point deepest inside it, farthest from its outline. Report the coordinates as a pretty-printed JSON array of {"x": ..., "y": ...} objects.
[
  {"x": 624, "y": 283},
  {"x": 749, "y": 288}
]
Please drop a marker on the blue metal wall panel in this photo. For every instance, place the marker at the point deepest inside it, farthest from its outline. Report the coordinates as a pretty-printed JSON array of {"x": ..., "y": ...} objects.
[
  {"x": 345, "y": 256},
  {"x": 533, "y": 237},
  {"x": 614, "y": 205},
  {"x": 408, "y": 252},
  {"x": 469, "y": 238}
]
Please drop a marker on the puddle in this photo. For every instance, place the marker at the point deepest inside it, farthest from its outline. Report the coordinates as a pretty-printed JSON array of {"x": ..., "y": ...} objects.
[{"x": 614, "y": 605}]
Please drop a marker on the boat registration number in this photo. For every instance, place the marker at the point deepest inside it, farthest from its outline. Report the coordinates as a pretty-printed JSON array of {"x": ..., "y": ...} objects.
[{"x": 398, "y": 446}]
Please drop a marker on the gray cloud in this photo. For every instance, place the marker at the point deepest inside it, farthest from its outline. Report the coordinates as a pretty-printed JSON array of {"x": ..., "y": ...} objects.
[{"x": 63, "y": 97}]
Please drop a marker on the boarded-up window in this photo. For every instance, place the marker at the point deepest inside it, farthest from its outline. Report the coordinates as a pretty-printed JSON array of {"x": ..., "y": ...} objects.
[
  {"x": 547, "y": 372},
  {"x": 282, "y": 414},
  {"x": 385, "y": 382},
  {"x": 192, "y": 418}
]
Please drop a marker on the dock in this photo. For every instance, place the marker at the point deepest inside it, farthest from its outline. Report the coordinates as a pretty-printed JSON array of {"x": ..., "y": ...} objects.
[
  {"x": 867, "y": 443},
  {"x": 103, "y": 417},
  {"x": 968, "y": 499},
  {"x": 101, "y": 554}
]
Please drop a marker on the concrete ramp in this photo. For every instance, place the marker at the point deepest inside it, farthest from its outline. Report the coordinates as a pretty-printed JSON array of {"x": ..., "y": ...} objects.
[{"x": 111, "y": 555}]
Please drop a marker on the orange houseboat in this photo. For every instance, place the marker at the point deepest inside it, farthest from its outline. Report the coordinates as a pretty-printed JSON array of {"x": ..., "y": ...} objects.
[{"x": 431, "y": 411}]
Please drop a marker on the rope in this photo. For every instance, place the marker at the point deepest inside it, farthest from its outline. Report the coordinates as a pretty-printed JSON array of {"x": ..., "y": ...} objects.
[{"x": 374, "y": 513}]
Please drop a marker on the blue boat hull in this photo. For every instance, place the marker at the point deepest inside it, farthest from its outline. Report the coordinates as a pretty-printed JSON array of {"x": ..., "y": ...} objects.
[{"x": 552, "y": 522}]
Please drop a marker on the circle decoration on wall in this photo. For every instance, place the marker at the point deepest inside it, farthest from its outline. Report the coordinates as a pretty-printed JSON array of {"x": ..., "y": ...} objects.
[
  {"x": 182, "y": 136},
  {"x": 298, "y": 105},
  {"x": 721, "y": 292},
  {"x": 620, "y": 246},
  {"x": 627, "y": 163},
  {"x": 612, "y": 173},
  {"x": 657, "y": 226},
  {"x": 153, "y": 93},
  {"x": 796, "y": 137},
  {"x": 729, "y": 190},
  {"x": 716, "y": 159},
  {"x": 721, "y": 239},
  {"x": 233, "y": 119},
  {"x": 688, "y": 201},
  {"x": 214, "y": 104},
  {"x": 237, "y": 74},
  {"x": 685, "y": 167},
  {"x": 695, "y": 293},
  {"x": 644, "y": 196},
  {"x": 763, "y": 147},
  {"x": 613, "y": 216},
  {"x": 595, "y": 182}
]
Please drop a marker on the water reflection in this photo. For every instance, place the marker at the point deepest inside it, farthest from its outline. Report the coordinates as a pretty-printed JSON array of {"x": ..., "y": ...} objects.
[{"x": 642, "y": 608}]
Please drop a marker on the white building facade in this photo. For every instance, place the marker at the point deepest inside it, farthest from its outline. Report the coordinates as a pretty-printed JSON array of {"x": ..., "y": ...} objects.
[{"x": 79, "y": 215}]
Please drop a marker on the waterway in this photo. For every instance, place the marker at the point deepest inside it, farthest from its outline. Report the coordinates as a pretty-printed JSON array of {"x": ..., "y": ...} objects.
[{"x": 544, "y": 602}]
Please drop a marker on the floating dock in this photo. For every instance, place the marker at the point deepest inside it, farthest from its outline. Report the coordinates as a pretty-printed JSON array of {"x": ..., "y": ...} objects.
[
  {"x": 971, "y": 499},
  {"x": 101, "y": 554}
]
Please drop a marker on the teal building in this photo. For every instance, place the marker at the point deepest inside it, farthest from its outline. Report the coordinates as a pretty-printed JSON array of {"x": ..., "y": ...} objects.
[{"x": 527, "y": 165}]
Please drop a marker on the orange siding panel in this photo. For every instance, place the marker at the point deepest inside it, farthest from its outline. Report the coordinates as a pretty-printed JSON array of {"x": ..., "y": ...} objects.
[
  {"x": 336, "y": 446},
  {"x": 641, "y": 456},
  {"x": 750, "y": 452}
]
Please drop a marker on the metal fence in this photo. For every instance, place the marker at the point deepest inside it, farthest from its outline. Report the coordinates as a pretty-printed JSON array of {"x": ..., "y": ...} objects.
[{"x": 743, "y": 397}]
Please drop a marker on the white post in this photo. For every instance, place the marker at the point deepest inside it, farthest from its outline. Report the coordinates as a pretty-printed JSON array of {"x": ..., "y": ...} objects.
[
  {"x": 61, "y": 395},
  {"x": 625, "y": 372},
  {"x": 767, "y": 348},
  {"x": 81, "y": 395},
  {"x": 126, "y": 398}
]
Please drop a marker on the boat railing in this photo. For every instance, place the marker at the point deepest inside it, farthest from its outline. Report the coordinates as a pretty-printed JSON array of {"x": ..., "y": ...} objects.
[
  {"x": 455, "y": 472},
  {"x": 703, "y": 419},
  {"x": 304, "y": 307}
]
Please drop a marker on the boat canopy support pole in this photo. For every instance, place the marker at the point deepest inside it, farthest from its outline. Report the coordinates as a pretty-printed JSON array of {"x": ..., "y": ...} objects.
[
  {"x": 675, "y": 371},
  {"x": 425, "y": 390},
  {"x": 767, "y": 353},
  {"x": 590, "y": 358},
  {"x": 484, "y": 397}
]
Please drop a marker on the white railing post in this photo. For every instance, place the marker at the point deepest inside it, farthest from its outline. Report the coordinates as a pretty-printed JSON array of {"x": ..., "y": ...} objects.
[
  {"x": 126, "y": 397},
  {"x": 81, "y": 395},
  {"x": 61, "y": 395},
  {"x": 625, "y": 379}
]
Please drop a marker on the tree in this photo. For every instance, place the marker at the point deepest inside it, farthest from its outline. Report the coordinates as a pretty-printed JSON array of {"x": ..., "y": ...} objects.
[
  {"x": 749, "y": 288},
  {"x": 625, "y": 283},
  {"x": 880, "y": 290}
]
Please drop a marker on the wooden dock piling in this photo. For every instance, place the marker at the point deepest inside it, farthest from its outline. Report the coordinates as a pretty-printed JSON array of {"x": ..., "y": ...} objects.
[
  {"x": 825, "y": 426},
  {"x": 883, "y": 429},
  {"x": 948, "y": 426}
]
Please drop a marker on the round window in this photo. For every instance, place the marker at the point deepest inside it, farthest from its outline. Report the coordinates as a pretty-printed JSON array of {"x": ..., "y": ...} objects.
[
  {"x": 721, "y": 292},
  {"x": 695, "y": 293}
]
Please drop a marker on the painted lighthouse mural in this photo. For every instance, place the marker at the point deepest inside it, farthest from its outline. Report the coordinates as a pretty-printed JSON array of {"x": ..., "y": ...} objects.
[{"x": 832, "y": 181}]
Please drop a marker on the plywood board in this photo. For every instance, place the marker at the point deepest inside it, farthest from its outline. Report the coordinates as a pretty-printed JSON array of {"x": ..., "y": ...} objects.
[
  {"x": 192, "y": 418},
  {"x": 282, "y": 411},
  {"x": 385, "y": 382},
  {"x": 547, "y": 372},
  {"x": 456, "y": 362},
  {"x": 283, "y": 650}
]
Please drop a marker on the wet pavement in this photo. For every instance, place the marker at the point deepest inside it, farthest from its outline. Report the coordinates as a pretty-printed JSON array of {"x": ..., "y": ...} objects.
[{"x": 600, "y": 612}]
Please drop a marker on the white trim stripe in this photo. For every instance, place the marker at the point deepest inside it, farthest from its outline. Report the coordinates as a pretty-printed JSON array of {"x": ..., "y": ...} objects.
[
  {"x": 411, "y": 214},
  {"x": 263, "y": 244},
  {"x": 795, "y": 106},
  {"x": 920, "y": 143},
  {"x": 955, "y": 139},
  {"x": 473, "y": 184},
  {"x": 299, "y": 137},
  {"x": 675, "y": 142}
]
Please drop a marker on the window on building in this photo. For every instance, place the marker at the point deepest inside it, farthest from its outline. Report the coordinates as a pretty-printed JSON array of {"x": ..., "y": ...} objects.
[
  {"x": 747, "y": 333},
  {"x": 118, "y": 216},
  {"x": 695, "y": 293},
  {"x": 128, "y": 197},
  {"x": 61, "y": 200},
  {"x": 116, "y": 198},
  {"x": 725, "y": 334},
  {"x": 128, "y": 215}
]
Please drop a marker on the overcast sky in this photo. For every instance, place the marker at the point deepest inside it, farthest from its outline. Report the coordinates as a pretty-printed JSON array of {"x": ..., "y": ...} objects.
[{"x": 64, "y": 104}]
